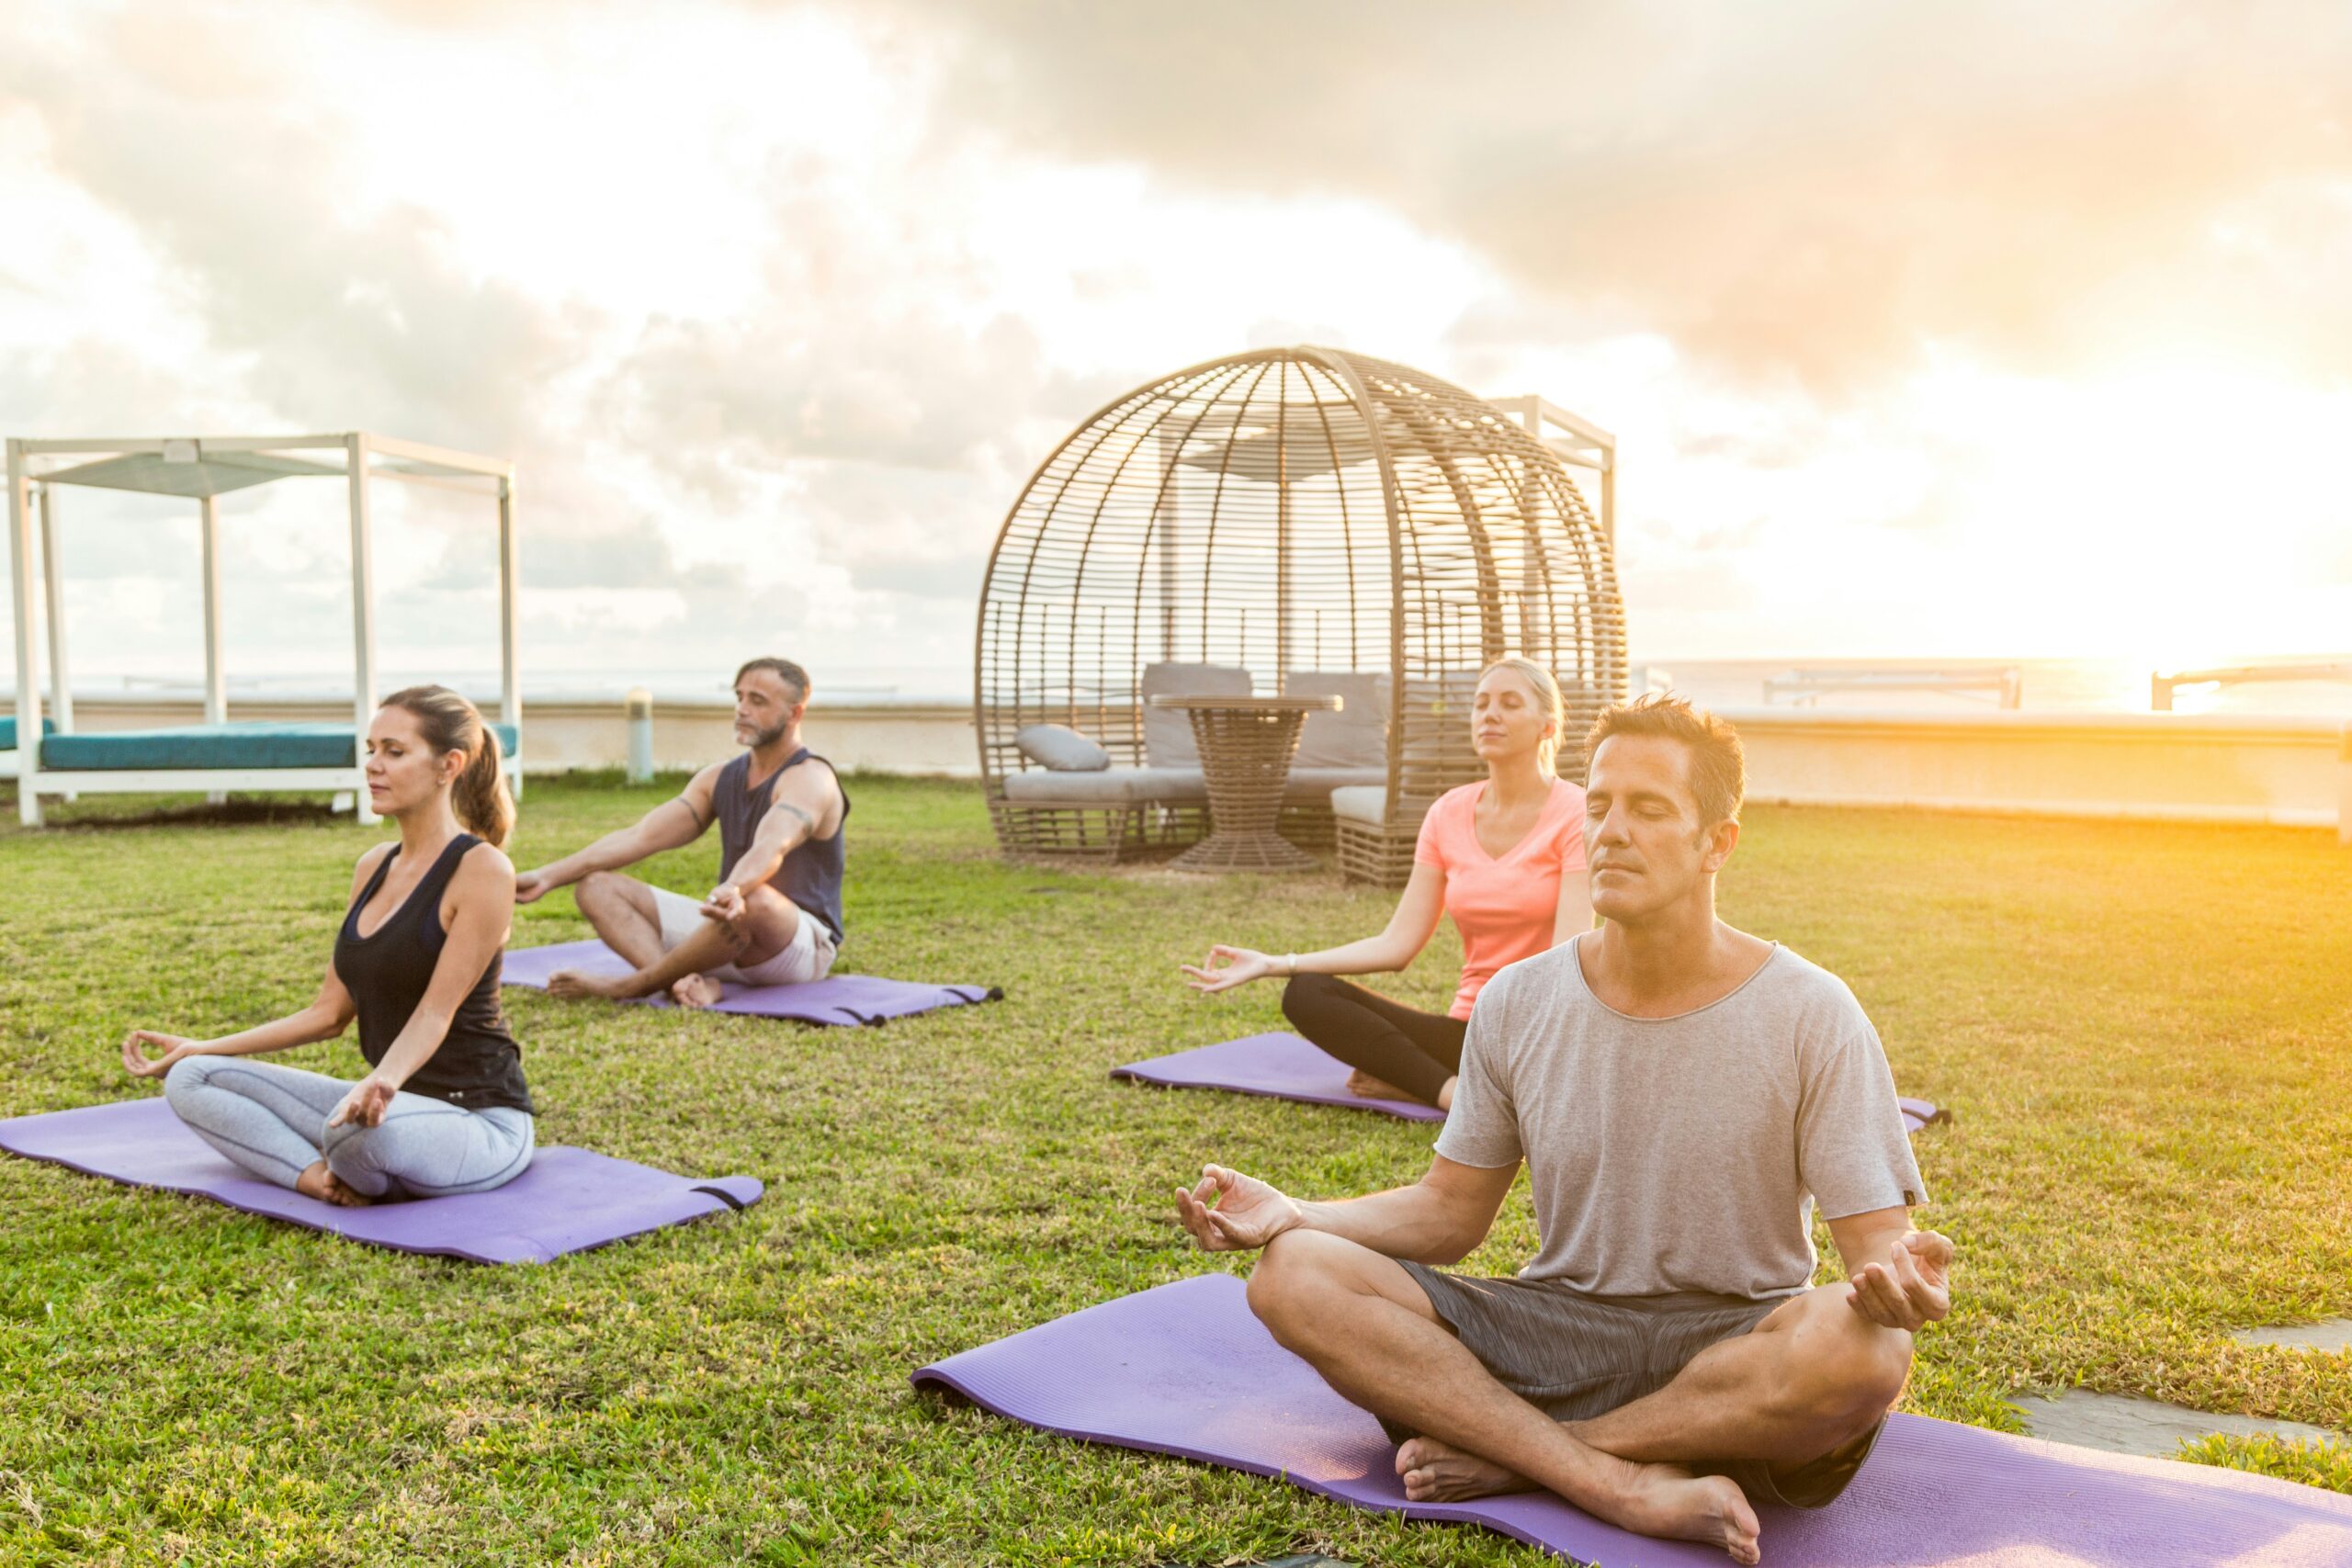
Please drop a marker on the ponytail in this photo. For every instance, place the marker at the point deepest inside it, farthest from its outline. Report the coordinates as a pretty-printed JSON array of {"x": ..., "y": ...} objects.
[{"x": 452, "y": 724}]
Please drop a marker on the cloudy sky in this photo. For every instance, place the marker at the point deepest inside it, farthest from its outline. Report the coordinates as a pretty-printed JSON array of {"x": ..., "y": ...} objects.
[{"x": 1976, "y": 329}]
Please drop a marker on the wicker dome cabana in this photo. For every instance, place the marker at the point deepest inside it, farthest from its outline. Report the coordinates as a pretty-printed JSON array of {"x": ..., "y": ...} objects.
[{"x": 1289, "y": 521}]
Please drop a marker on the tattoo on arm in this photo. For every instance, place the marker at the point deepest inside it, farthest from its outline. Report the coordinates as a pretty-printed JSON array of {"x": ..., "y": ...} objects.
[
  {"x": 695, "y": 812},
  {"x": 787, "y": 806}
]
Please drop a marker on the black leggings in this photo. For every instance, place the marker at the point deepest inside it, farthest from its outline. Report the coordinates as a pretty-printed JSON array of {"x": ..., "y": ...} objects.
[{"x": 1416, "y": 1050}]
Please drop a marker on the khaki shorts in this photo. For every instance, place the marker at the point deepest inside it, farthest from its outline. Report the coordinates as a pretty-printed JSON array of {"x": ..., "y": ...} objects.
[
  {"x": 808, "y": 956},
  {"x": 1575, "y": 1356}
]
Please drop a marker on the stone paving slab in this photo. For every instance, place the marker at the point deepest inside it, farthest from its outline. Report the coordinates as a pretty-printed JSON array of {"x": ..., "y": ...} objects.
[
  {"x": 2330, "y": 1337},
  {"x": 2126, "y": 1424}
]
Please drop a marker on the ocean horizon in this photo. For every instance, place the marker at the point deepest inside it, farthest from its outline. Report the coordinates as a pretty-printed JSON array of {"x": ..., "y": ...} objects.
[{"x": 2043, "y": 684}]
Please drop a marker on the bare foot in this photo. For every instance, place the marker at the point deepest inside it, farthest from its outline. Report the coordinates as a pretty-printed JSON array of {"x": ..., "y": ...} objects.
[
  {"x": 1665, "y": 1500},
  {"x": 573, "y": 983},
  {"x": 696, "y": 990},
  {"x": 1440, "y": 1472},
  {"x": 318, "y": 1181},
  {"x": 1364, "y": 1084}
]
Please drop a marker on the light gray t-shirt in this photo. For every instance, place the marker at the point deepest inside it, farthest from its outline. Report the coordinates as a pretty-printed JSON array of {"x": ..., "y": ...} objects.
[{"x": 1685, "y": 1153}]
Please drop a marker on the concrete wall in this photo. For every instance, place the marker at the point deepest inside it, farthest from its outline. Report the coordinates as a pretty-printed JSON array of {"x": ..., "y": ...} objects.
[
  {"x": 2185, "y": 767},
  {"x": 562, "y": 731}
]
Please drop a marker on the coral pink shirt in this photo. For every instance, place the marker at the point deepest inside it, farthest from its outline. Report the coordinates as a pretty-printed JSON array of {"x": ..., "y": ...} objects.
[{"x": 1505, "y": 906}]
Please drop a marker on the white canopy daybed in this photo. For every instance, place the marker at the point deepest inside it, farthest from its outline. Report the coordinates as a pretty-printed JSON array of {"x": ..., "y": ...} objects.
[{"x": 218, "y": 756}]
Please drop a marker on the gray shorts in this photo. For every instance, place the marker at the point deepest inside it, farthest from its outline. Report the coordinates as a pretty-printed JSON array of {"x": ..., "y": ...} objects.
[
  {"x": 808, "y": 956},
  {"x": 1575, "y": 1355}
]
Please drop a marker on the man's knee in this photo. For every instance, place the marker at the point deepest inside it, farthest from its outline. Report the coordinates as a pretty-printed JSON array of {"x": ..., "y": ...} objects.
[
  {"x": 1842, "y": 1371},
  {"x": 1301, "y": 1276},
  {"x": 601, "y": 890}
]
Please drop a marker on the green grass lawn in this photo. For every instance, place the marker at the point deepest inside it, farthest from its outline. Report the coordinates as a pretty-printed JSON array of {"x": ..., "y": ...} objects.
[{"x": 2144, "y": 1031}]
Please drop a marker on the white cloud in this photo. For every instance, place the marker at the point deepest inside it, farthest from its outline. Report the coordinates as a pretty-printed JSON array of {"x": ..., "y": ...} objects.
[{"x": 1902, "y": 320}]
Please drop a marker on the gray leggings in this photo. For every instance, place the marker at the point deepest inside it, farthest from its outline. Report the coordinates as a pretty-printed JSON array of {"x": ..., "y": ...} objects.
[{"x": 273, "y": 1122}]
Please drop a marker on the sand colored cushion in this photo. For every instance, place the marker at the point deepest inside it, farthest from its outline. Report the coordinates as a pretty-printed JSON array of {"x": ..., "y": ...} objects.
[
  {"x": 1112, "y": 787},
  {"x": 1356, "y": 736},
  {"x": 1167, "y": 732},
  {"x": 1060, "y": 749},
  {"x": 259, "y": 745}
]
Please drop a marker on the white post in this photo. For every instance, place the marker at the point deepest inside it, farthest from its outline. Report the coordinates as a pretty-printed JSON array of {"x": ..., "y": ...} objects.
[
  {"x": 2344, "y": 789},
  {"x": 510, "y": 688},
  {"x": 1609, "y": 497},
  {"x": 216, "y": 675},
  {"x": 52, "y": 571},
  {"x": 20, "y": 577},
  {"x": 215, "y": 679},
  {"x": 363, "y": 622}
]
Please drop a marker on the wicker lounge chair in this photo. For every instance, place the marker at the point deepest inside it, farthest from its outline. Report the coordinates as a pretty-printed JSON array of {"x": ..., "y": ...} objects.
[{"x": 1294, "y": 522}]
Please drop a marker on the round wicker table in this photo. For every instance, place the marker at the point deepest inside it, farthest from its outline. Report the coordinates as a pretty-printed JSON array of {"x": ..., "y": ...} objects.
[{"x": 1246, "y": 747}]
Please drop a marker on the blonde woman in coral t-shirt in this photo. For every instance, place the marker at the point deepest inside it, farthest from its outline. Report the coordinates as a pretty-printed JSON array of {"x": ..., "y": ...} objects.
[{"x": 1505, "y": 858}]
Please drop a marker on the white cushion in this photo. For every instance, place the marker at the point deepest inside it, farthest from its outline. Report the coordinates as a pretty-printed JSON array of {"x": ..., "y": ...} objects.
[
  {"x": 1368, "y": 804},
  {"x": 1167, "y": 732},
  {"x": 1112, "y": 787},
  {"x": 1308, "y": 786},
  {"x": 1061, "y": 749},
  {"x": 1356, "y": 736}
]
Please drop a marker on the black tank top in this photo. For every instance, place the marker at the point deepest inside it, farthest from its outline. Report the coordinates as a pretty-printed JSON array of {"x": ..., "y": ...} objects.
[
  {"x": 811, "y": 872},
  {"x": 479, "y": 1066}
]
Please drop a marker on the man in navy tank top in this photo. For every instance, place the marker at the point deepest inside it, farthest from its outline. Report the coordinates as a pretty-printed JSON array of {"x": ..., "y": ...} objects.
[{"x": 774, "y": 919}]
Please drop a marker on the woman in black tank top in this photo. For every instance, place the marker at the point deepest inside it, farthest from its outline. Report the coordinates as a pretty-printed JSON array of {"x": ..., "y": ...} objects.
[{"x": 443, "y": 1108}]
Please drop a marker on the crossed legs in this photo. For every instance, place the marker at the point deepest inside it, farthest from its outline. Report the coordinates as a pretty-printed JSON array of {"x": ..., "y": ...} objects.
[
  {"x": 1811, "y": 1377},
  {"x": 626, "y": 915},
  {"x": 272, "y": 1119}
]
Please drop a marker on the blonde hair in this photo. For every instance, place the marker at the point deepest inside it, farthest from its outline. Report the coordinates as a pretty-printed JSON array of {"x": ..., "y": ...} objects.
[
  {"x": 449, "y": 723},
  {"x": 1547, "y": 697}
]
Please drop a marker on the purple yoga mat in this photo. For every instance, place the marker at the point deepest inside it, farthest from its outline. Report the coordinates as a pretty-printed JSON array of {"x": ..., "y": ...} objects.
[
  {"x": 836, "y": 999},
  {"x": 1285, "y": 1067},
  {"x": 1185, "y": 1370},
  {"x": 1279, "y": 1066},
  {"x": 569, "y": 1200}
]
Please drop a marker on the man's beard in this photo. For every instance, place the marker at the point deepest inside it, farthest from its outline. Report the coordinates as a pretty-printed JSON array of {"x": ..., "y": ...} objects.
[{"x": 769, "y": 736}]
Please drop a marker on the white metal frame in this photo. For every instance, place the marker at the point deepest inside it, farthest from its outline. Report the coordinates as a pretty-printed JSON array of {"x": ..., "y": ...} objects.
[
  {"x": 36, "y": 470},
  {"x": 1575, "y": 441}
]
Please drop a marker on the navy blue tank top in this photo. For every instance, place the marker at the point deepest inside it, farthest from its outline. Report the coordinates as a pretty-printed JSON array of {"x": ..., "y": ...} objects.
[
  {"x": 811, "y": 872},
  {"x": 477, "y": 1066}
]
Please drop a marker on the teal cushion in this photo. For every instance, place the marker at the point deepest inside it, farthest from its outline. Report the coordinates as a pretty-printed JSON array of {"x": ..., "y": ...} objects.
[
  {"x": 8, "y": 731},
  {"x": 261, "y": 745}
]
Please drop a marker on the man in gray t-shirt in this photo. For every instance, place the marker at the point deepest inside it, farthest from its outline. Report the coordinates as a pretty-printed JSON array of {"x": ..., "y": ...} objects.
[{"x": 1684, "y": 1095}]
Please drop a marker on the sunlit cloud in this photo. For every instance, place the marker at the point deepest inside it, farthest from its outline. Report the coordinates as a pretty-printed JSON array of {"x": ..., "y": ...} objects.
[{"x": 1992, "y": 332}]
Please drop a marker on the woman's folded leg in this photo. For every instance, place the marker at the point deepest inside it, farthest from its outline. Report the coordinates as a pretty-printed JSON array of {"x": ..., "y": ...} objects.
[
  {"x": 1414, "y": 1051},
  {"x": 268, "y": 1118},
  {"x": 426, "y": 1149}
]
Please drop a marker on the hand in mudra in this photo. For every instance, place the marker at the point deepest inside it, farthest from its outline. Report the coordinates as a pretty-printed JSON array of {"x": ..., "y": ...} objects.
[
  {"x": 1242, "y": 965},
  {"x": 366, "y": 1104},
  {"x": 1229, "y": 1212},
  {"x": 1912, "y": 1287},
  {"x": 140, "y": 1064},
  {"x": 531, "y": 885}
]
